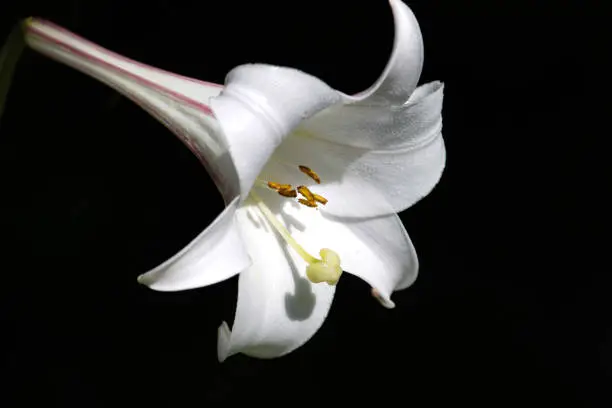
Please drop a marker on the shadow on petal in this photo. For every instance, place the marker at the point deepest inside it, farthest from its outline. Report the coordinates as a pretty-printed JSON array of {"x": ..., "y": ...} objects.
[
  {"x": 291, "y": 221},
  {"x": 300, "y": 303},
  {"x": 257, "y": 220}
]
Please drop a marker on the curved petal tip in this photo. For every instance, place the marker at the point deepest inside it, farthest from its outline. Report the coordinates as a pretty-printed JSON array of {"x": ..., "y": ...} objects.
[
  {"x": 401, "y": 75},
  {"x": 217, "y": 254},
  {"x": 386, "y": 302}
]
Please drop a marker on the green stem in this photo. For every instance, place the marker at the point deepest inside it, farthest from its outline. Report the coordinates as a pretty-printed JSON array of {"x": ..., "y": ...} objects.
[{"x": 9, "y": 56}]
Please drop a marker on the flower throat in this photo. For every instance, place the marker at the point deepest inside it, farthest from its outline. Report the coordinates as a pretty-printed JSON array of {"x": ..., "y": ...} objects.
[{"x": 327, "y": 269}]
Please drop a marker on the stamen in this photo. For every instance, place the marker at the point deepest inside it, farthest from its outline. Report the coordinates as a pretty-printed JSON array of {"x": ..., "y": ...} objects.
[
  {"x": 303, "y": 190},
  {"x": 286, "y": 190},
  {"x": 320, "y": 199},
  {"x": 282, "y": 230},
  {"x": 278, "y": 186},
  {"x": 307, "y": 203},
  {"x": 288, "y": 193},
  {"x": 310, "y": 173},
  {"x": 327, "y": 269}
]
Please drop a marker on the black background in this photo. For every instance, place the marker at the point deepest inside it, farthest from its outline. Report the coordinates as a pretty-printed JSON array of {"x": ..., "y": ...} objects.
[{"x": 510, "y": 306}]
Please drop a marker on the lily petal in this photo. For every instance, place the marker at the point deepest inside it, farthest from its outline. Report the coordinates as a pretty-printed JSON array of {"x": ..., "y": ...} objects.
[
  {"x": 260, "y": 106},
  {"x": 180, "y": 103},
  {"x": 401, "y": 75},
  {"x": 218, "y": 253},
  {"x": 278, "y": 309},
  {"x": 382, "y": 255},
  {"x": 378, "y": 250},
  {"x": 380, "y": 179}
]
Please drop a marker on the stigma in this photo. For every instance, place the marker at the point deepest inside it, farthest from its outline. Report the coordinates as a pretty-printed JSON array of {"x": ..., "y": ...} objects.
[{"x": 327, "y": 269}]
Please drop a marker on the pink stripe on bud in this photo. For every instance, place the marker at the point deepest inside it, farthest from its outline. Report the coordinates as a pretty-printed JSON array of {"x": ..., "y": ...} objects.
[{"x": 54, "y": 40}]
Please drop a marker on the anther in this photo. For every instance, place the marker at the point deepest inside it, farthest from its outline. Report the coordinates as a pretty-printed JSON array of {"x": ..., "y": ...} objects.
[
  {"x": 310, "y": 173},
  {"x": 303, "y": 190},
  {"x": 287, "y": 192},
  {"x": 278, "y": 186},
  {"x": 319, "y": 198},
  {"x": 307, "y": 203}
]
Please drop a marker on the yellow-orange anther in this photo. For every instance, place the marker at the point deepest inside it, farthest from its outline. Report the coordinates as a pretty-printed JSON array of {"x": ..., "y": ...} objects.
[
  {"x": 320, "y": 198},
  {"x": 303, "y": 190},
  {"x": 310, "y": 173},
  {"x": 278, "y": 186},
  {"x": 307, "y": 203},
  {"x": 288, "y": 193}
]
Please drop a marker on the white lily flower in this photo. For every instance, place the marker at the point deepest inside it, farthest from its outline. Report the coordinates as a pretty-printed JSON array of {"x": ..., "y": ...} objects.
[{"x": 312, "y": 178}]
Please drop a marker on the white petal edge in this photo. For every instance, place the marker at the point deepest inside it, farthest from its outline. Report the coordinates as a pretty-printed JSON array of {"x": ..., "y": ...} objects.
[
  {"x": 377, "y": 250},
  {"x": 278, "y": 309},
  {"x": 218, "y": 253},
  {"x": 401, "y": 74}
]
